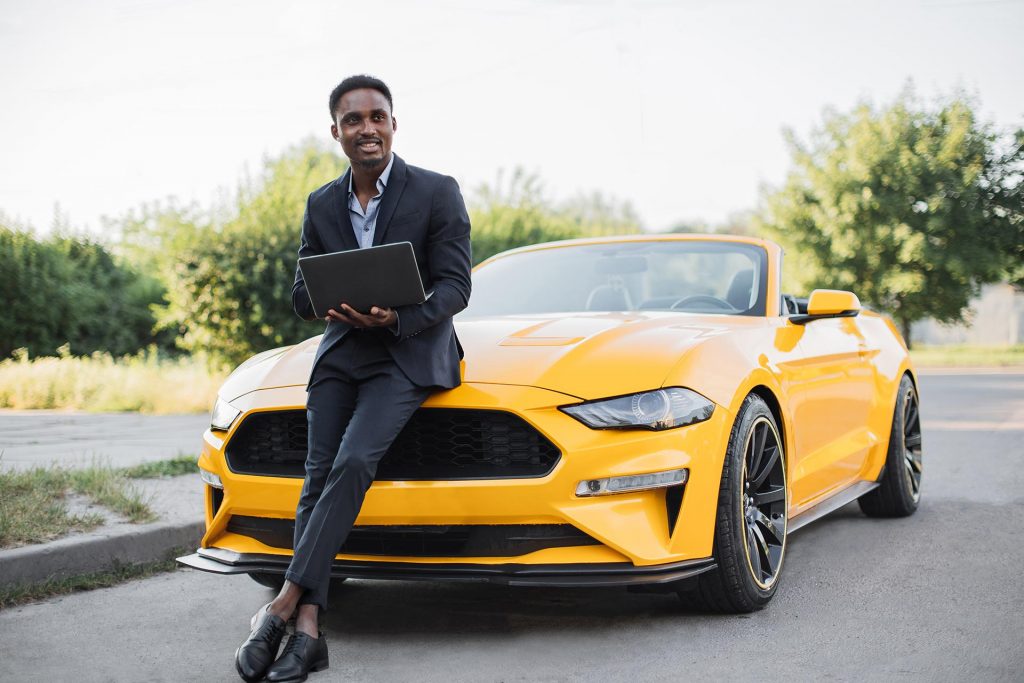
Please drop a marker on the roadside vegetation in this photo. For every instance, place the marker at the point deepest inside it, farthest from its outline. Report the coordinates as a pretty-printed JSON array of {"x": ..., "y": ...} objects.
[
  {"x": 968, "y": 356},
  {"x": 174, "y": 467},
  {"x": 913, "y": 205},
  {"x": 34, "y": 505},
  {"x": 146, "y": 382},
  {"x": 33, "y": 508},
  {"x": 11, "y": 596}
]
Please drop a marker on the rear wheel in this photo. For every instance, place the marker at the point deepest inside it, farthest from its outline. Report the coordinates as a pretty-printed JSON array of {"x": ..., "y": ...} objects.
[
  {"x": 750, "y": 525},
  {"x": 899, "y": 490}
]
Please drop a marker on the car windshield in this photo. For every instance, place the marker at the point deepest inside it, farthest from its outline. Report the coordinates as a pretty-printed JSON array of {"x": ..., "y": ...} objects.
[{"x": 685, "y": 275}]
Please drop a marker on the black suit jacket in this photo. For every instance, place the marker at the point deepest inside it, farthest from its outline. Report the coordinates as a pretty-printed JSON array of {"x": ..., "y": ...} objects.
[{"x": 427, "y": 210}]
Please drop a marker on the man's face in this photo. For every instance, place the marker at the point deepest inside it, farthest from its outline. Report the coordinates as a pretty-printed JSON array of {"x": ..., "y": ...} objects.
[{"x": 364, "y": 126}]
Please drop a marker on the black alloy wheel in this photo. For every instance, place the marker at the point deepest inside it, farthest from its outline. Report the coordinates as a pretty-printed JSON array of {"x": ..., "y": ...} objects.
[
  {"x": 912, "y": 461},
  {"x": 764, "y": 502},
  {"x": 899, "y": 490},
  {"x": 751, "y": 519}
]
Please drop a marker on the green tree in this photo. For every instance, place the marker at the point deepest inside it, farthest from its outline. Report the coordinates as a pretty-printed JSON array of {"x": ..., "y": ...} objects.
[
  {"x": 226, "y": 274},
  {"x": 737, "y": 223},
  {"x": 912, "y": 207},
  {"x": 71, "y": 290},
  {"x": 231, "y": 291},
  {"x": 516, "y": 212},
  {"x": 152, "y": 235},
  {"x": 152, "y": 238}
]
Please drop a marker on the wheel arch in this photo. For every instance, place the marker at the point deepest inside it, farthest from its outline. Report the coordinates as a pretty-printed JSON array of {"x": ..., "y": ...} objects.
[
  {"x": 769, "y": 397},
  {"x": 876, "y": 460},
  {"x": 909, "y": 372}
]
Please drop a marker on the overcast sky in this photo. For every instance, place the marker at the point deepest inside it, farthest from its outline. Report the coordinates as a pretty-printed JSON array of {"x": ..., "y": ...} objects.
[{"x": 677, "y": 107}]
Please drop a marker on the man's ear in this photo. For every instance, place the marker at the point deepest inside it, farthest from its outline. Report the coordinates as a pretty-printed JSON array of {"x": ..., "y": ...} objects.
[
  {"x": 334, "y": 132},
  {"x": 394, "y": 123}
]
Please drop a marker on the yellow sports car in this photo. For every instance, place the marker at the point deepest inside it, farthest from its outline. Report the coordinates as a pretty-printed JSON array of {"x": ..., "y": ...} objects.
[{"x": 643, "y": 411}]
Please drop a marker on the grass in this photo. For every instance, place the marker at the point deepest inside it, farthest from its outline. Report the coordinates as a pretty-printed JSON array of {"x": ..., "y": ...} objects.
[
  {"x": 33, "y": 507},
  {"x": 182, "y": 464},
  {"x": 19, "y": 595},
  {"x": 110, "y": 488},
  {"x": 33, "y": 503},
  {"x": 145, "y": 383},
  {"x": 968, "y": 356}
]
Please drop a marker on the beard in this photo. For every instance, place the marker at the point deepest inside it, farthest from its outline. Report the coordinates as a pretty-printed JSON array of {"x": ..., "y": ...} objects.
[{"x": 370, "y": 164}]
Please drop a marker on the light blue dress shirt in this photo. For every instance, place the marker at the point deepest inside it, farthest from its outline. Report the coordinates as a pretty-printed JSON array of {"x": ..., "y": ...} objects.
[{"x": 364, "y": 223}]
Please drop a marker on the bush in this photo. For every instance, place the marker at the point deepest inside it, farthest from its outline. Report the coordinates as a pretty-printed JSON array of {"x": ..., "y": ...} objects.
[
  {"x": 231, "y": 290},
  {"x": 228, "y": 272},
  {"x": 144, "y": 382},
  {"x": 517, "y": 213},
  {"x": 70, "y": 290}
]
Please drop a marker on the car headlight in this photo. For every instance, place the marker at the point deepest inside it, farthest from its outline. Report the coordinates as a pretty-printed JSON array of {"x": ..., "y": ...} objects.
[
  {"x": 224, "y": 415},
  {"x": 656, "y": 410}
]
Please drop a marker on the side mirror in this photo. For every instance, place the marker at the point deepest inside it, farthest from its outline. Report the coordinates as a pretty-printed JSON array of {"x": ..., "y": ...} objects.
[{"x": 829, "y": 303}]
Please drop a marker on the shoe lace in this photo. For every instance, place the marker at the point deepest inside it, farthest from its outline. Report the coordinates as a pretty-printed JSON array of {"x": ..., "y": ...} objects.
[
  {"x": 271, "y": 630},
  {"x": 292, "y": 645}
]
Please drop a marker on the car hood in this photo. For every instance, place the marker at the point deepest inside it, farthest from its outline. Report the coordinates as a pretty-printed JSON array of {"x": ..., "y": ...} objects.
[
  {"x": 282, "y": 367},
  {"x": 586, "y": 355}
]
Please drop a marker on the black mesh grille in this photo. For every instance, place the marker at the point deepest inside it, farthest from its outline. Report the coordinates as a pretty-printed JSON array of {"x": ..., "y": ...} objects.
[
  {"x": 437, "y": 443},
  {"x": 462, "y": 540},
  {"x": 270, "y": 443}
]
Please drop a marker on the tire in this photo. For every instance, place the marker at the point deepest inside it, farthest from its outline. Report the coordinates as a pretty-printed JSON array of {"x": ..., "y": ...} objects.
[
  {"x": 899, "y": 490},
  {"x": 274, "y": 581},
  {"x": 750, "y": 523}
]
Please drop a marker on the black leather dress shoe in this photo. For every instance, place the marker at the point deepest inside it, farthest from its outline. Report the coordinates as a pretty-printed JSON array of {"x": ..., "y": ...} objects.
[
  {"x": 260, "y": 649},
  {"x": 302, "y": 653}
]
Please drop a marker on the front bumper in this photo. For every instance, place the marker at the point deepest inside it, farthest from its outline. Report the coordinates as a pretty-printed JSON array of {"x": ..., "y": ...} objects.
[
  {"x": 633, "y": 530},
  {"x": 221, "y": 561}
]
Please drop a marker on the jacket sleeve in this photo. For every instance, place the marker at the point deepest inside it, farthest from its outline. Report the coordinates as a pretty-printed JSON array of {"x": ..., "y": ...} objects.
[
  {"x": 449, "y": 259},
  {"x": 309, "y": 245}
]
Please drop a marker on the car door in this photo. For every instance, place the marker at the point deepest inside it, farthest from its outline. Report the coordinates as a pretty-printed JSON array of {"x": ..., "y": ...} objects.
[{"x": 831, "y": 393}]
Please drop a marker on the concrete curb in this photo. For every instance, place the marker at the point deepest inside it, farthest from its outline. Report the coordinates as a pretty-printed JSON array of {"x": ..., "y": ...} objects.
[
  {"x": 89, "y": 553},
  {"x": 178, "y": 503}
]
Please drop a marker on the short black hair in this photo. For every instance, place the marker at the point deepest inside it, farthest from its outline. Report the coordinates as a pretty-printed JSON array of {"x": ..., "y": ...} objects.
[{"x": 355, "y": 83}]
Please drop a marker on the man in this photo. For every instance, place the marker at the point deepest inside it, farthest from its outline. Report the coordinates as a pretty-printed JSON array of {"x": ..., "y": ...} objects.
[{"x": 371, "y": 371}]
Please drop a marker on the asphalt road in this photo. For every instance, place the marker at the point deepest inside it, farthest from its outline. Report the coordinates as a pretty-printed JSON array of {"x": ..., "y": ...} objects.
[
  {"x": 933, "y": 597},
  {"x": 30, "y": 438}
]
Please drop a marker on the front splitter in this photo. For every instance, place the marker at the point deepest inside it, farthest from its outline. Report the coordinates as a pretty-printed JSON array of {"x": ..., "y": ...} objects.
[{"x": 220, "y": 561}]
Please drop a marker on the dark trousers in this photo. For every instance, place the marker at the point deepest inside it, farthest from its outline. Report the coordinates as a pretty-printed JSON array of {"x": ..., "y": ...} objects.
[{"x": 358, "y": 402}]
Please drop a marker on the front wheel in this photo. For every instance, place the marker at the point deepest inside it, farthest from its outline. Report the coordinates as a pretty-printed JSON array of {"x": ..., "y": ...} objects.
[
  {"x": 750, "y": 525},
  {"x": 276, "y": 581},
  {"x": 267, "y": 579}
]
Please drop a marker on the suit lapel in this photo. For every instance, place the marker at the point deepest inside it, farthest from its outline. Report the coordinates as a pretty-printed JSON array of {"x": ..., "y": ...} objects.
[
  {"x": 392, "y": 193},
  {"x": 339, "y": 211}
]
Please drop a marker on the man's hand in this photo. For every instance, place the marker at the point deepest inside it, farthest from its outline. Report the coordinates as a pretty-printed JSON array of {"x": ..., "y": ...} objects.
[{"x": 378, "y": 317}]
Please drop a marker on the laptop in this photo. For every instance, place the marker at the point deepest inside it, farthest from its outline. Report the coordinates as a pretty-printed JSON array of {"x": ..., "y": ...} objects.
[{"x": 386, "y": 275}]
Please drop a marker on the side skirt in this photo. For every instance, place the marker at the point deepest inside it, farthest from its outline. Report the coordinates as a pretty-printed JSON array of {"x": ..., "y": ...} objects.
[{"x": 831, "y": 504}]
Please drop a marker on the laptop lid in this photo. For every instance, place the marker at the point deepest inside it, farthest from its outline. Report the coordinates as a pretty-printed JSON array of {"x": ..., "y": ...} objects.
[{"x": 386, "y": 275}]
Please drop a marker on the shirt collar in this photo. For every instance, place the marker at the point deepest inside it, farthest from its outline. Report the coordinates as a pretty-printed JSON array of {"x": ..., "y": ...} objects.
[{"x": 382, "y": 181}]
